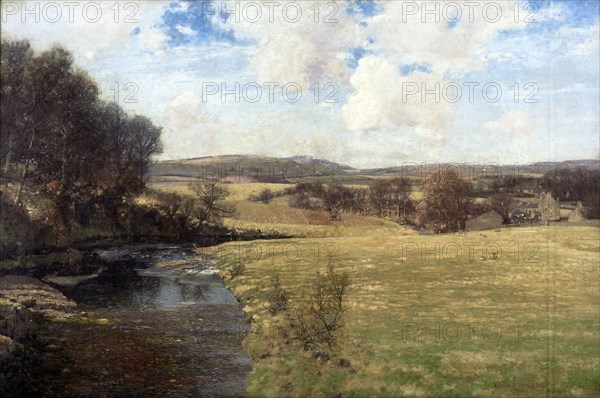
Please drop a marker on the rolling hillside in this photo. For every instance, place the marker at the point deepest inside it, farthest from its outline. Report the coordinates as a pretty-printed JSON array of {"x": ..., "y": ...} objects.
[{"x": 252, "y": 168}]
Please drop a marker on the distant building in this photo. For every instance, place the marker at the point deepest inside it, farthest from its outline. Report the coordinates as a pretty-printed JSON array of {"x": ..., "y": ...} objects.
[
  {"x": 577, "y": 214},
  {"x": 489, "y": 220},
  {"x": 549, "y": 209},
  {"x": 531, "y": 210},
  {"x": 527, "y": 188},
  {"x": 525, "y": 213}
]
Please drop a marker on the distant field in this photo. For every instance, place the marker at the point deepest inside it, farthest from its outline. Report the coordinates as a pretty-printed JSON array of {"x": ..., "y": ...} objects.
[
  {"x": 278, "y": 216},
  {"x": 238, "y": 192},
  {"x": 526, "y": 324}
]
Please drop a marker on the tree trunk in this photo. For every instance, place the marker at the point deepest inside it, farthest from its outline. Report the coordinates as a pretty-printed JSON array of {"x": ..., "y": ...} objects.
[{"x": 24, "y": 173}]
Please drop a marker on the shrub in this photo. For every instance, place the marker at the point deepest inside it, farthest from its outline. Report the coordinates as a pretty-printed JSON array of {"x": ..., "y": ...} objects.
[
  {"x": 277, "y": 296},
  {"x": 266, "y": 196},
  {"x": 289, "y": 191},
  {"x": 318, "y": 319},
  {"x": 237, "y": 268},
  {"x": 301, "y": 201},
  {"x": 315, "y": 189}
]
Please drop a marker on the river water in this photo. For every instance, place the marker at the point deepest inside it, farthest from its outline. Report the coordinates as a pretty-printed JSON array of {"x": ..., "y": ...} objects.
[{"x": 158, "y": 322}]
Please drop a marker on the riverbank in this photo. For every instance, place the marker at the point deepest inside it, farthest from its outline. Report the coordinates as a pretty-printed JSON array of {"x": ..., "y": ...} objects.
[{"x": 24, "y": 302}]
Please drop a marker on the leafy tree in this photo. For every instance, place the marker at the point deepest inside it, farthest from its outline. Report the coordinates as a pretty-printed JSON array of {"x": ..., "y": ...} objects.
[
  {"x": 77, "y": 151},
  {"x": 446, "y": 198},
  {"x": 16, "y": 58}
]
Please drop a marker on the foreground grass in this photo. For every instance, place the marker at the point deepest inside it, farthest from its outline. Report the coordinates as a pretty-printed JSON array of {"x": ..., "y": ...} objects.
[{"x": 525, "y": 324}]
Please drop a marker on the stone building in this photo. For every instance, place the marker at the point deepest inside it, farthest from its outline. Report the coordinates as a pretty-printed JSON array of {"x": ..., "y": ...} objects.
[
  {"x": 577, "y": 214},
  {"x": 549, "y": 209}
]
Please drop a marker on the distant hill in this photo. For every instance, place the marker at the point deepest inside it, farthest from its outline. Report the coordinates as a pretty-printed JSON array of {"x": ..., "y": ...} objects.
[
  {"x": 478, "y": 168},
  {"x": 294, "y": 168},
  {"x": 324, "y": 162},
  {"x": 567, "y": 164},
  {"x": 258, "y": 168}
]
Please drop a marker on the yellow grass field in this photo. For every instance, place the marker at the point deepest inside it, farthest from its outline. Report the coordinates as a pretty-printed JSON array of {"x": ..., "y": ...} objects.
[
  {"x": 426, "y": 315},
  {"x": 525, "y": 324}
]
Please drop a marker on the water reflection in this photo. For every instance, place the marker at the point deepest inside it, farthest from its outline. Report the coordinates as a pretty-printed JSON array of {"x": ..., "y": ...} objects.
[
  {"x": 152, "y": 332},
  {"x": 164, "y": 293}
]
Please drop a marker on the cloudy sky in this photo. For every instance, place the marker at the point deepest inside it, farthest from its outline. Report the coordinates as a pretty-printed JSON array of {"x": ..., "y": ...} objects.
[{"x": 363, "y": 83}]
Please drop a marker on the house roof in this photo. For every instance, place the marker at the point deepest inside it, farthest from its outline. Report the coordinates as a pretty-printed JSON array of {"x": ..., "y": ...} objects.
[
  {"x": 489, "y": 214},
  {"x": 524, "y": 206}
]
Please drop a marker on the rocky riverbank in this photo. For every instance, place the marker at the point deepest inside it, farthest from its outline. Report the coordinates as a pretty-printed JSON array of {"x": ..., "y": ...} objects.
[{"x": 24, "y": 301}]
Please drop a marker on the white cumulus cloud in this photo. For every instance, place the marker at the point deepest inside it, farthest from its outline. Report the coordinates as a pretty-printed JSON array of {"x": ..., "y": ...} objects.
[
  {"x": 513, "y": 123},
  {"x": 302, "y": 51}
]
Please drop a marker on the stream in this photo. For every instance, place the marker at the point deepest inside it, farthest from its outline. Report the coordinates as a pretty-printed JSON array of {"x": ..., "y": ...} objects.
[{"x": 158, "y": 322}]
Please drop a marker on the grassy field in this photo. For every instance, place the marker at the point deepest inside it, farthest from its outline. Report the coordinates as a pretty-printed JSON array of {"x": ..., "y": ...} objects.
[
  {"x": 525, "y": 324},
  {"x": 277, "y": 216},
  {"x": 427, "y": 315}
]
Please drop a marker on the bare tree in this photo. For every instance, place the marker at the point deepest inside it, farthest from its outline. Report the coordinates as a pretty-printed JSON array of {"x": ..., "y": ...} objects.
[
  {"x": 318, "y": 319},
  {"x": 337, "y": 199},
  {"x": 502, "y": 203},
  {"x": 211, "y": 195},
  {"x": 400, "y": 191},
  {"x": 391, "y": 197}
]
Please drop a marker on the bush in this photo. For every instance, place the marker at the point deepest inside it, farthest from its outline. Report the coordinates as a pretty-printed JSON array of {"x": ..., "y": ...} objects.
[
  {"x": 237, "y": 268},
  {"x": 288, "y": 191},
  {"x": 304, "y": 201},
  {"x": 318, "y": 319},
  {"x": 315, "y": 189},
  {"x": 277, "y": 296},
  {"x": 266, "y": 196}
]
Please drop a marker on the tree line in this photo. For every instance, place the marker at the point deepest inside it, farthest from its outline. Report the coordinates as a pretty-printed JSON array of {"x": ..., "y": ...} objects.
[
  {"x": 60, "y": 140},
  {"x": 447, "y": 199},
  {"x": 573, "y": 185}
]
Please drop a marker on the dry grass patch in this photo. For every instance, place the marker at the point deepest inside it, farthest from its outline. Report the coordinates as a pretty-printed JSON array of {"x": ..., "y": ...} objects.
[{"x": 534, "y": 299}]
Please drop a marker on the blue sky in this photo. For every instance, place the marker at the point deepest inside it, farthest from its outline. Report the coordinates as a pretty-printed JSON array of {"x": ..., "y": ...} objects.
[{"x": 364, "y": 57}]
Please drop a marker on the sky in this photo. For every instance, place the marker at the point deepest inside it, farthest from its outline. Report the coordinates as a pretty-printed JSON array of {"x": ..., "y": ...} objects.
[{"x": 364, "y": 83}]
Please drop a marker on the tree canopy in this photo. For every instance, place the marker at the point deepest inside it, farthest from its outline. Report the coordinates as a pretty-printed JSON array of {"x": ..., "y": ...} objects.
[{"x": 61, "y": 140}]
